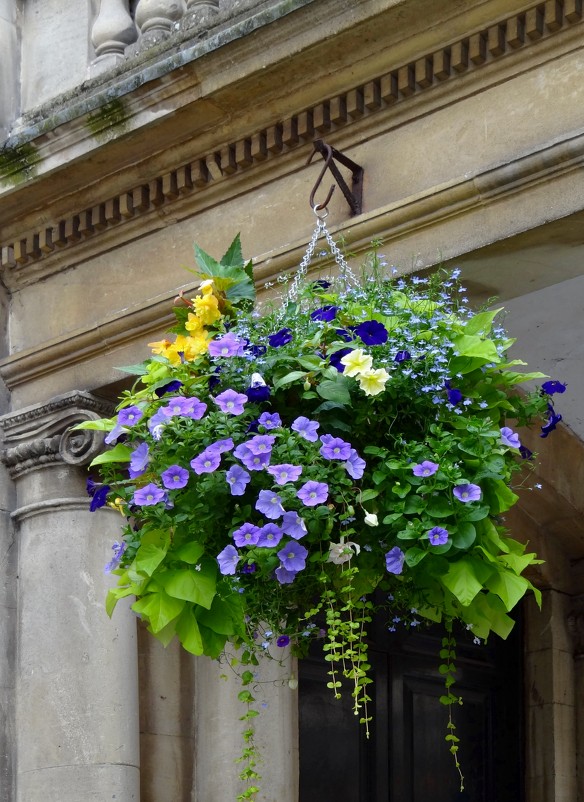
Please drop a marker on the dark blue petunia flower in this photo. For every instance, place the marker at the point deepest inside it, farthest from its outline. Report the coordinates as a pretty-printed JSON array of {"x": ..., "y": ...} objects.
[
  {"x": 169, "y": 387},
  {"x": 215, "y": 380},
  {"x": 372, "y": 332},
  {"x": 321, "y": 284},
  {"x": 280, "y": 338},
  {"x": 256, "y": 350},
  {"x": 525, "y": 452},
  {"x": 325, "y": 313},
  {"x": 402, "y": 356},
  {"x": 98, "y": 496},
  {"x": 258, "y": 393},
  {"x": 335, "y": 359},
  {"x": 343, "y": 334},
  {"x": 248, "y": 568},
  {"x": 553, "y": 386},
  {"x": 552, "y": 422},
  {"x": 253, "y": 427},
  {"x": 454, "y": 395}
]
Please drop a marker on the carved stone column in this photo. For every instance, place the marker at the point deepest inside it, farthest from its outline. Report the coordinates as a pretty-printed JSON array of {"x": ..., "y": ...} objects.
[
  {"x": 200, "y": 13},
  {"x": 157, "y": 20},
  {"x": 77, "y": 731},
  {"x": 112, "y": 31}
]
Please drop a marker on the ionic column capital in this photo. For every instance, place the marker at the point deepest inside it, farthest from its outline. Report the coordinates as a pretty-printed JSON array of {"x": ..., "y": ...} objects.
[{"x": 40, "y": 435}]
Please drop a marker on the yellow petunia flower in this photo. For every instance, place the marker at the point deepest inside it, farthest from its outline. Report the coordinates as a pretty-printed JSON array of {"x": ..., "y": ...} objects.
[
  {"x": 356, "y": 362},
  {"x": 372, "y": 382}
]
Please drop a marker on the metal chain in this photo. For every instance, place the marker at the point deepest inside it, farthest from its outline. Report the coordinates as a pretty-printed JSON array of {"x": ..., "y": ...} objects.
[{"x": 347, "y": 274}]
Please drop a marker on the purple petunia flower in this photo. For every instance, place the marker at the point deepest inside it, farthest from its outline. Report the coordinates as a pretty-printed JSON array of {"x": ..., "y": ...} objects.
[
  {"x": 372, "y": 332},
  {"x": 139, "y": 460},
  {"x": 182, "y": 407},
  {"x": 270, "y": 535},
  {"x": 510, "y": 438},
  {"x": 207, "y": 462},
  {"x": 402, "y": 356},
  {"x": 237, "y": 479},
  {"x": 425, "y": 468},
  {"x": 325, "y": 313},
  {"x": 270, "y": 504},
  {"x": 285, "y": 473},
  {"x": 355, "y": 465},
  {"x": 334, "y": 447},
  {"x": 313, "y": 493},
  {"x": 335, "y": 359},
  {"x": 293, "y": 556},
  {"x": 231, "y": 402},
  {"x": 249, "y": 568},
  {"x": 169, "y": 387},
  {"x": 438, "y": 536},
  {"x": 228, "y": 560},
  {"x": 467, "y": 493},
  {"x": 157, "y": 423},
  {"x": 271, "y": 420},
  {"x": 280, "y": 338},
  {"x": 112, "y": 436},
  {"x": 118, "y": 550},
  {"x": 129, "y": 416},
  {"x": 226, "y": 346},
  {"x": 149, "y": 495},
  {"x": 306, "y": 428},
  {"x": 293, "y": 525},
  {"x": 343, "y": 334},
  {"x": 394, "y": 560},
  {"x": 246, "y": 535},
  {"x": 284, "y": 576},
  {"x": 283, "y": 641},
  {"x": 553, "y": 386},
  {"x": 261, "y": 443},
  {"x": 254, "y": 462},
  {"x": 221, "y": 446},
  {"x": 174, "y": 477}
]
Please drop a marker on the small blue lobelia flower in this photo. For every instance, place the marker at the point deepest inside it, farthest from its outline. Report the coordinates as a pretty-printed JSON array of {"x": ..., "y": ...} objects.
[
  {"x": 325, "y": 313},
  {"x": 372, "y": 332},
  {"x": 394, "y": 560},
  {"x": 280, "y": 338}
]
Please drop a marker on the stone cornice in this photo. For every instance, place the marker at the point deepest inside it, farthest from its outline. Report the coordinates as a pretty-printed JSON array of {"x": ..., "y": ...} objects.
[
  {"x": 35, "y": 253},
  {"x": 400, "y": 219},
  {"x": 40, "y": 435}
]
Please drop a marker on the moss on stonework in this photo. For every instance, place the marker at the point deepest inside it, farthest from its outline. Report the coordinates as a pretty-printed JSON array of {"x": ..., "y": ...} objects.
[
  {"x": 110, "y": 117},
  {"x": 17, "y": 162}
]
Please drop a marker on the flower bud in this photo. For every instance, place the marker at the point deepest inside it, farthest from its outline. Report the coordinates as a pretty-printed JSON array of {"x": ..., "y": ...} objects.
[
  {"x": 371, "y": 519},
  {"x": 307, "y": 385}
]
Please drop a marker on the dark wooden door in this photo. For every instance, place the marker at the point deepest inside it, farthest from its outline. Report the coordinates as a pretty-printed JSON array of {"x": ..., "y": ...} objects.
[{"x": 406, "y": 759}]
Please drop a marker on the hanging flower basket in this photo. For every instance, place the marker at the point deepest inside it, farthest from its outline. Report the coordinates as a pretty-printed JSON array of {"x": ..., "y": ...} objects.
[{"x": 277, "y": 466}]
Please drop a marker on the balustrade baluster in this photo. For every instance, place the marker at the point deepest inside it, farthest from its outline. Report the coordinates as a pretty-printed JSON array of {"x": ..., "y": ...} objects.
[
  {"x": 157, "y": 19},
  {"x": 113, "y": 30}
]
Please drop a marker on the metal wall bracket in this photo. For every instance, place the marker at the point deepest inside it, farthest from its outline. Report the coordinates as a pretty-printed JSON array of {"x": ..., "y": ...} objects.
[{"x": 354, "y": 195}]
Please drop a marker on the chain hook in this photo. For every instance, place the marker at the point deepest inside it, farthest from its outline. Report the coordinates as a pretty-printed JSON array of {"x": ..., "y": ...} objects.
[{"x": 319, "y": 207}]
